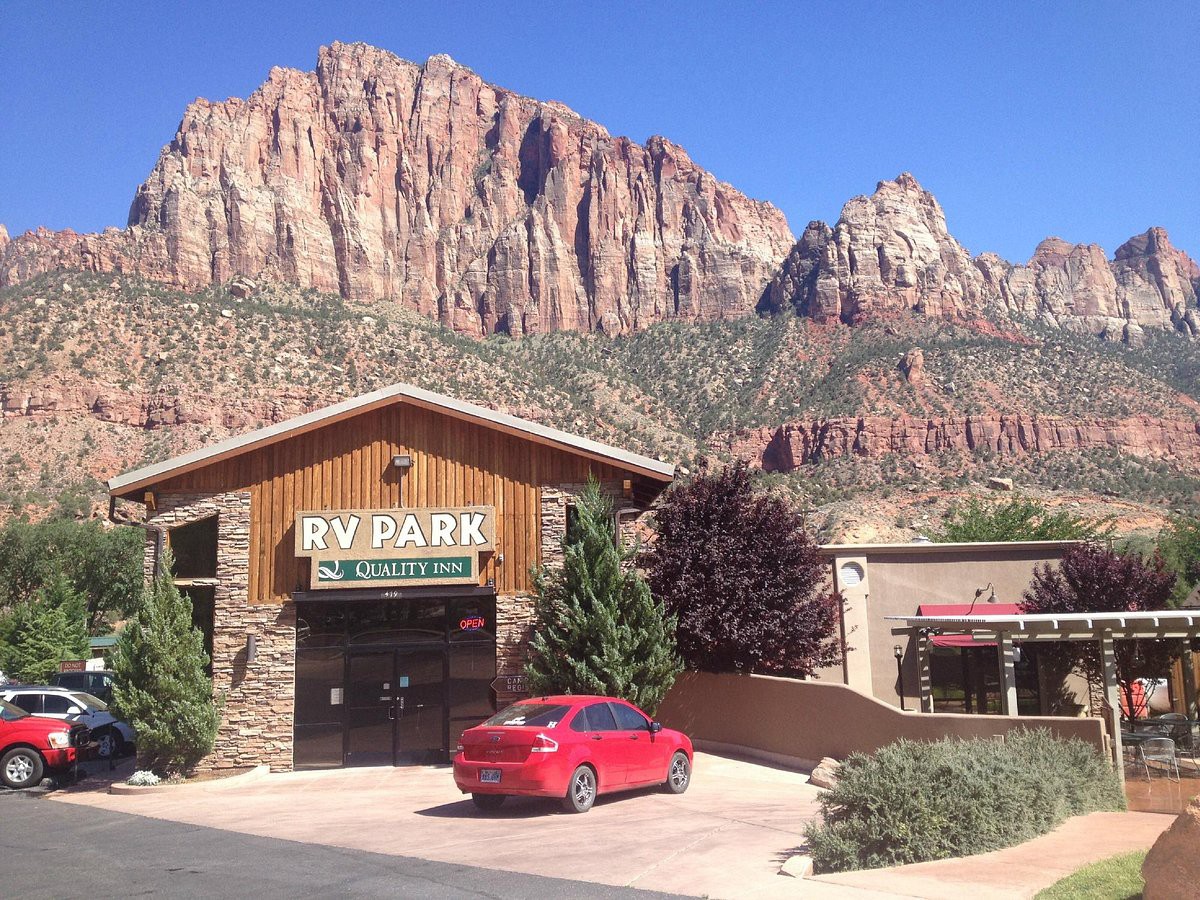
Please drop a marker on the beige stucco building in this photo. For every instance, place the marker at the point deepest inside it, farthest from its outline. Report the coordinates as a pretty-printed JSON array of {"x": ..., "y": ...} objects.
[{"x": 940, "y": 673}]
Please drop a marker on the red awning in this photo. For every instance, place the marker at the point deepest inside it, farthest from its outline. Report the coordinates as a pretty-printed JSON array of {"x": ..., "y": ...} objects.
[{"x": 963, "y": 609}]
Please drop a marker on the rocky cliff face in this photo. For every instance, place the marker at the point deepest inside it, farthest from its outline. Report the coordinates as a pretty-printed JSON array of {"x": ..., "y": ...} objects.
[
  {"x": 892, "y": 252},
  {"x": 795, "y": 444},
  {"x": 379, "y": 178}
]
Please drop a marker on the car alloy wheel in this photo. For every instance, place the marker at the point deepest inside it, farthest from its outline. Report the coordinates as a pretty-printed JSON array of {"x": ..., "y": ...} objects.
[
  {"x": 21, "y": 768},
  {"x": 581, "y": 792},
  {"x": 680, "y": 774}
]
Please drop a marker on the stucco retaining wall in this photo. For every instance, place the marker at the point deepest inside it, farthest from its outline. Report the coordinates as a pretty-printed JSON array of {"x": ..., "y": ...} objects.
[{"x": 803, "y": 721}]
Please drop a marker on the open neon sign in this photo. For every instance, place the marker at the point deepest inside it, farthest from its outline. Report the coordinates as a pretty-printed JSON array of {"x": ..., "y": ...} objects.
[{"x": 471, "y": 623}]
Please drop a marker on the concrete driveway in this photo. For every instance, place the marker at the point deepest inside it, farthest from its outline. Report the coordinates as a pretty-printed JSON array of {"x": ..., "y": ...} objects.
[{"x": 726, "y": 837}]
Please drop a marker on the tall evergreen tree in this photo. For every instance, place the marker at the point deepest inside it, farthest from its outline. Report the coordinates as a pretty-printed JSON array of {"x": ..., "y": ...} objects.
[
  {"x": 159, "y": 684},
  {"x": 599, "y": 630},
  {"x": 45, "y": 630}
]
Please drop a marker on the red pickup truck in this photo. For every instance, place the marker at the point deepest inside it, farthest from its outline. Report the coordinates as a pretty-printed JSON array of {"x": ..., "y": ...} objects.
[{"x": 31, "y": 746}]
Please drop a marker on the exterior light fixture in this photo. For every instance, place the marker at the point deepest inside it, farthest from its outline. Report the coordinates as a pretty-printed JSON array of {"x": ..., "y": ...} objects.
[
  {"x": 979, "y": 593},
  {"x": 251, "y": 648},
  {"x": 1016, "y": 653},
  {"x": 898, "y": 652},
  {"x": 402, "y": 461}
]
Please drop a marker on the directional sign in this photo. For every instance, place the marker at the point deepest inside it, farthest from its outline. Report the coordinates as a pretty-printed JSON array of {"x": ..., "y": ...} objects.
[{"x": 510, "y": 684}]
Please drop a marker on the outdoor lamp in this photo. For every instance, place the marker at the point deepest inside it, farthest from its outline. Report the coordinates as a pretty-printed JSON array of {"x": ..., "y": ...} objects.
[
  {"x": 402, "y": 461},
  {"x": 1016, "y": 653},
  {"x": 251, "y": 648},
  {"x": 898, "y": 652}
]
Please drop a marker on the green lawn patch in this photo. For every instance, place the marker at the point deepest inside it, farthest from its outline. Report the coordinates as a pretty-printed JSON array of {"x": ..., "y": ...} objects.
[{"x": 1115, "y": 878}]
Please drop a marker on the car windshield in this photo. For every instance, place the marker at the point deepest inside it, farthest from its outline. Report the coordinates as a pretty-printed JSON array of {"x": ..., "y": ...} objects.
[
  {"x": 95, "y": 704},
  {"x": 9, "y": 713},
  {"x": 547, "y": 715}
]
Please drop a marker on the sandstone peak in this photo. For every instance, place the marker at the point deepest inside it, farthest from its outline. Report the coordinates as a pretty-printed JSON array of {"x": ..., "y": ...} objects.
[{"x": 379, "y": 178}]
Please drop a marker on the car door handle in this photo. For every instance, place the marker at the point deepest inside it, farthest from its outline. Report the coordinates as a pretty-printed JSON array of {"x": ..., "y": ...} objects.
[
  {"x": 633, "y": 737},
  {"x": 596, "y": 737}
]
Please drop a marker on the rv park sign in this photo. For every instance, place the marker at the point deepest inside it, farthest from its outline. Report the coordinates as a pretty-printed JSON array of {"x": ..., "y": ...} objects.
[{"x": 395, "y": 547}]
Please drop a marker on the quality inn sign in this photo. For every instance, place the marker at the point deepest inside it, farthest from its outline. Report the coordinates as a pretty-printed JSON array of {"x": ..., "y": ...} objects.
[{"x": 395, "y": 547}]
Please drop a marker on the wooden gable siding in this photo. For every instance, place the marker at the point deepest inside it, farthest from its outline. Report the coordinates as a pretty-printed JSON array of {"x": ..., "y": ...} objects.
[{"x": 349, "y": 465}]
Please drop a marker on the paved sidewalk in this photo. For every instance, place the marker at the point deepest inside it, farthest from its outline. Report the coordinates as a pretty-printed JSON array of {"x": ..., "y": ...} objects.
[
  {"x": 726, "y": 837},
  {"x": 1019, "y": 871}
]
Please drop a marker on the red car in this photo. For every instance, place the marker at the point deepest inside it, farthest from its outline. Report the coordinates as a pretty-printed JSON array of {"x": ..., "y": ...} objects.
[
  {"x": 30, "y": 746},
  {"x": 573, "y": 747}
]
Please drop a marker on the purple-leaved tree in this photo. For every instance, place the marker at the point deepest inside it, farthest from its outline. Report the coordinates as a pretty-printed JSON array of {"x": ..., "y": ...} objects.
[
  {"x": 1093, "y": 578},
  {"x": 748, "y": 587}
]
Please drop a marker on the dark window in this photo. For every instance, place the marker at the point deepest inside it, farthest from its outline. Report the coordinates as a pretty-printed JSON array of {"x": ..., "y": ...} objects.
[
  {"x": 545, "y": 714},
  {"x": 31, "y": 703},
  {"x": 580, "y": 722},
  {"x": 628, "y": 718},
  {"x": 10, "y": 713},
  {"x": 203, "y": 600},
  {"x": 57, "y": 704},
  {"x": 600, "y": 717},
  {"x": 320, "y": 625},
  {"x": 195, "y": 549},
  {"x": 412, "y": 621},
  {"x": 472, "y": 668},
  {"x": 472, "y": 619}
]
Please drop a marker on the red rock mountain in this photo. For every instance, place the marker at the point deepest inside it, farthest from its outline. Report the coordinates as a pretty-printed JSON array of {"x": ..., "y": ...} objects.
[
  {"x": 379, "y": 178},
  {"x": 892, "y": 251}
]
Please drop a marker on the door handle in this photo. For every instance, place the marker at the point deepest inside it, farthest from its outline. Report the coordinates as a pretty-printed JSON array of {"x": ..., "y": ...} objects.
[
  {"x": 633, "y": 737},
  {"x": 391, "y": 714},
  {"x": 596, "y": 737}
]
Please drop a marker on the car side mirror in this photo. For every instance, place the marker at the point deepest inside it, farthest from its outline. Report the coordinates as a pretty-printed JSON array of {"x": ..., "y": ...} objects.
[{"x": 655, "y": 727}]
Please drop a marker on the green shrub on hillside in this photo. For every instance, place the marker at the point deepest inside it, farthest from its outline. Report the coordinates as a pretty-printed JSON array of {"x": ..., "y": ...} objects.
[{"x": 910, "y": 802}]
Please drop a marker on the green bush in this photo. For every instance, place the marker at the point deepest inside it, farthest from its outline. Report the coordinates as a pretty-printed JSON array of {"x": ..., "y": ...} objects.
[{"x": 910, "y": 802}]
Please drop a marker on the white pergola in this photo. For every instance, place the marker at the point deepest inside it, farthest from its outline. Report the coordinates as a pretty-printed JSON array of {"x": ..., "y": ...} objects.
[{"x": 1102, "y": 627}]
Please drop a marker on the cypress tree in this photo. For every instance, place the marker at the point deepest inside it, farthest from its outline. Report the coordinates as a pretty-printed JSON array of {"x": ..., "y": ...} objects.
[
  {"x": 599, "y": 630},
  {"x": 49, "y": 628},
  {"x": 159, "y": 683}
]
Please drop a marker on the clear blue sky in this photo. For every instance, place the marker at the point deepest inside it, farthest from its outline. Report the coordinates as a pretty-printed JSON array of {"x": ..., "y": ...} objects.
[{"x": 1025, "y": 119}]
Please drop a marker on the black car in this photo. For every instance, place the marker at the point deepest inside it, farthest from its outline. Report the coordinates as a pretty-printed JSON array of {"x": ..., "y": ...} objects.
[{"x": 98, "y": 684}]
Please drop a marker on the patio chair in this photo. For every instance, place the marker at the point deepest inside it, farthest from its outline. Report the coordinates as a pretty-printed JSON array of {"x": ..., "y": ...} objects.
[{"x": 1159, "y": 749}]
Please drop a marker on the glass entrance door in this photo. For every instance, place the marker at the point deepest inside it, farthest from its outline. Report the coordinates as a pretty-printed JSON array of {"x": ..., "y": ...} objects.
[
  {"x": 421, "y": 706},
  {"x": 396, "y": 707},
  {"x": 370, "y": 708}
]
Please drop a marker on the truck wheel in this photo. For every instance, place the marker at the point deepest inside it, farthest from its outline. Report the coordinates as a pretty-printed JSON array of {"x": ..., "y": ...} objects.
[
  {"x": 21, "y": 768},
  {"x": 109, "y": 744}
]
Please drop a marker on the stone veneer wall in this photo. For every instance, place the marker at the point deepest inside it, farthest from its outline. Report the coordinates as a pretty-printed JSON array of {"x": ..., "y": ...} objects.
[{"x": 256, "y": 724}]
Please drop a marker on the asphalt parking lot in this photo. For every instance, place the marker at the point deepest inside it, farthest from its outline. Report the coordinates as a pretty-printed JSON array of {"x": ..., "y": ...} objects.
[
  {"x": 59, "y": 851},
  {"x": 725, "y": 837}
]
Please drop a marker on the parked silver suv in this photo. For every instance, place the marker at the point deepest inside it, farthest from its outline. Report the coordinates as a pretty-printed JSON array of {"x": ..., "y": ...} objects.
[{"x": 111, "y": 736}]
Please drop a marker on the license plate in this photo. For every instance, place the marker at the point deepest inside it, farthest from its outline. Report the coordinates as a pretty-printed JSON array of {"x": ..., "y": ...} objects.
[{"x": 489, "y": 776}]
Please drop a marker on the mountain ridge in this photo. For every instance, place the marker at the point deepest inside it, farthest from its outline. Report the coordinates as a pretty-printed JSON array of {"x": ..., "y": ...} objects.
[{"x": 424, "y": 185}]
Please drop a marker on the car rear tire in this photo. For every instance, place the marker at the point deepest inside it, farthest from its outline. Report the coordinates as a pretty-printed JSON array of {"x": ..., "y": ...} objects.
[
  {"x": 21, "y": 767},
  {"x": 488, "y": 802},
  {"x": 109, "y": 744},
  {"x": 679, "y": 774},
  {"x": 581, "y": 790}
]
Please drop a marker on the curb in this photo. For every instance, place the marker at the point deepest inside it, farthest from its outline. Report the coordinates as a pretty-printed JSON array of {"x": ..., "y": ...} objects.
[{"x": 129, "y": 789}]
